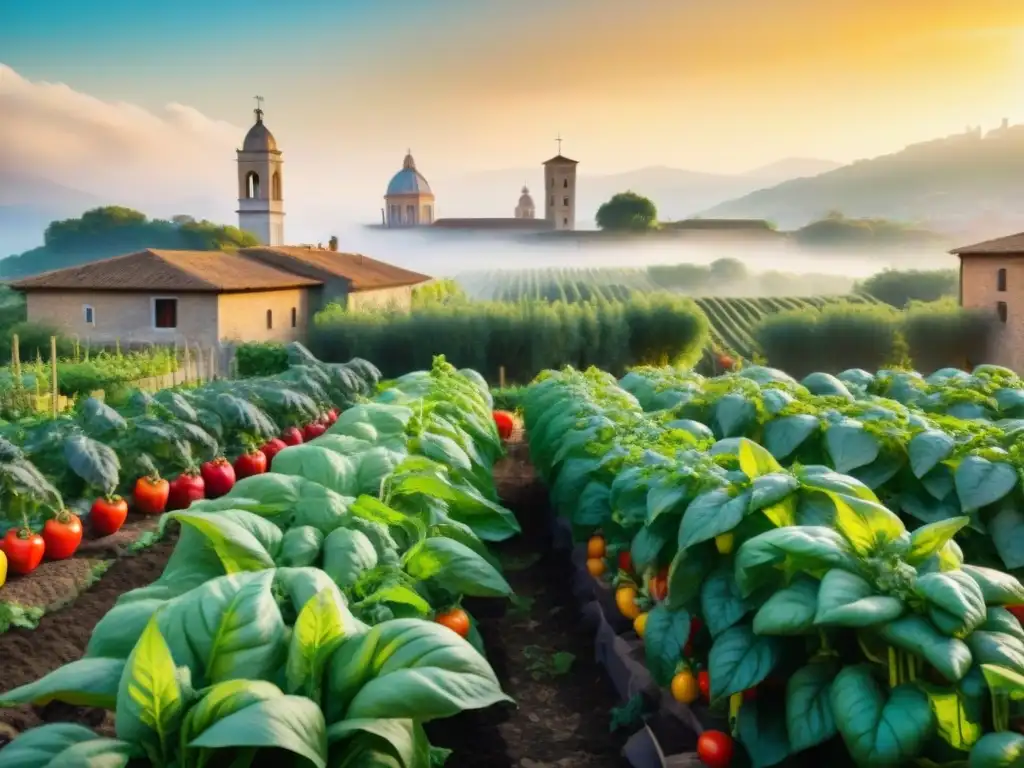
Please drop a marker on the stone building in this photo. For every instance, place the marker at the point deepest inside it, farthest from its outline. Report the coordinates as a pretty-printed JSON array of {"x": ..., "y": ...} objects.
[
  {"x": 408, "y": 201},
  {"x": 525, "y": 208},
  {"x": 261, "y": 184}
]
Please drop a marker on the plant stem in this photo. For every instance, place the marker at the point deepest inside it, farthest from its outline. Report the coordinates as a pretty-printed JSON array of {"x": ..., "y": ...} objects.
[{"x": 894, "y": 671}]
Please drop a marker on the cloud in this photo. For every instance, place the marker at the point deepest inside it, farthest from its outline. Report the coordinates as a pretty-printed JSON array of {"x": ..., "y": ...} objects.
[{"x": 114, "y": 149}]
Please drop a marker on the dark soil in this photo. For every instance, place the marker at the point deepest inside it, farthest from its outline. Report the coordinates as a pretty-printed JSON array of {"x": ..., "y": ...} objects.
[
  {"x": 61, "y": 637},
  {"x": 563, "y": 713}
]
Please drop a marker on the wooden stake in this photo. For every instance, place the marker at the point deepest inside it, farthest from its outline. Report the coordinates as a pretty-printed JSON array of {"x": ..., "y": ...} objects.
[
  {"x": 16, "y": 359},
  {"x": 53, "y": 376},
  {"x": 501, "y": 376},
  {"x": 188, "y": 365}
]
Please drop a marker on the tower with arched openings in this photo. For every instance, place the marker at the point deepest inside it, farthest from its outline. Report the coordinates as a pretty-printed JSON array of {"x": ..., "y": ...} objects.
[
  {"x": 261, "y": 183},
  {"x": 560, "y": 190}
]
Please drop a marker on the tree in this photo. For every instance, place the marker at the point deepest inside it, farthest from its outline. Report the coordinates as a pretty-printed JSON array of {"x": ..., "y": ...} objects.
[
  {"x": 728, "y": 270},
  {"x": 900, "y": 287},
  {"x": 627, "y": 212}
]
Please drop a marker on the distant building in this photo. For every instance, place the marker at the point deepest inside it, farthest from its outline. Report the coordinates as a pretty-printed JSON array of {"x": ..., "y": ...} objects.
[
  {"x": 560, "y": 192},
  {"x": 525, "y": 208},
  {"x": 260, "y": 184},
  {"x": 408, "y": 201}
]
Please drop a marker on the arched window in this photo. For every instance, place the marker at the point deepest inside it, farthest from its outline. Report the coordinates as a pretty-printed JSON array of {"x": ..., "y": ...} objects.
[
  {"x": 275, "y": 186},
  {"x": 270, "y": 319},
  {"x": 252, "y": 185},
  {"x": 1001, "y": 280},
  {"x": 565, "y": 183}
]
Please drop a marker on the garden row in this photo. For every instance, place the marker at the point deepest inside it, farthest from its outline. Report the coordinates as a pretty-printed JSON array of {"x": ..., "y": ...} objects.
[
  {"x": 311, "y": 610},
  {"x": 794, "y": 618}
]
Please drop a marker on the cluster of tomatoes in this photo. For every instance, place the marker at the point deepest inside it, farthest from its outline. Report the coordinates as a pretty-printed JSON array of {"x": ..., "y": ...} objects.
[{"x": 23, "y": 550}]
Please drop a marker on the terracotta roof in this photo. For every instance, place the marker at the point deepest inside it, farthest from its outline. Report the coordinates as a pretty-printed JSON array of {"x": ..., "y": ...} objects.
[
  {"x": 361, "y": 272},
  {"x": 561, "y": 159},
  {"x": 159, "y": 270},
  {"x": 1000, "y": 245}
]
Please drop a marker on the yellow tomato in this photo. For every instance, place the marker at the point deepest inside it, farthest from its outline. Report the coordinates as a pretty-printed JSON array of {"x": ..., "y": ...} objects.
[
  {"x": 596, "y": 566},
  {"x": 640, "y": 624},
  {"x": 684, "y": 688},
  {"x": 724, "y": 543},
  {"x": 595, "y": 547},
  {"x": 625, "y": 599},
  {"x": 3, "y": 568}
]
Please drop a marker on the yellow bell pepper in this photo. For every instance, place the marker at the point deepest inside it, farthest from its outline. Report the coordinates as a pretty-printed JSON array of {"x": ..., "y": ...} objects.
[
  {"x": 3, "y": 568},
  {"x": 724, "y": 543}
]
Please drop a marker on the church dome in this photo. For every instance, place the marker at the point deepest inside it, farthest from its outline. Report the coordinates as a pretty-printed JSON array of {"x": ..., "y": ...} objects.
[
  {"x": 525, "y": 200},
  {"x": 408, "y": 181},
  {"x": 259, "y": 139}
]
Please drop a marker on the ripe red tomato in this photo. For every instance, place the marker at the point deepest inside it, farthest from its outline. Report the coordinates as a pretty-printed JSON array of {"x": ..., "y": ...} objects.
[
  {"x": 219, "y": 477},
  {"x": 456, "y": 620},
  {"x": 249, "y": 464},
  {"x": 625, "y": 561},
  {"x": 62, "y": 535},
  {"x": 273, "y": 447},
  {"x": 505, "y": 422},
  {"x": 108, "y": 515},
  {"x": 704, "y": 683},
  {"x": 291, "y": 436},
  {"x": 151, "y": 495},
  {"x": 24, "y": 549},
  {"x": 313, "y": 431},
  {"x": 332, "y": 415},
  {"x": 659, "y": 585},
  {"x": 184, "y": 489},
  {"x": 1018, "y": 611},
  {"x": 714, "y": 749}
]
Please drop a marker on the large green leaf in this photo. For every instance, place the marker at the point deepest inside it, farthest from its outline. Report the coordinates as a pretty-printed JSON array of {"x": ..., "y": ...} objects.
[
  {"x": 402, "y": 740},
  {"x": 84, "y": 683},
  {"x": 847, "y": 600},
  {"x": 927, "y": 449},
  {"x": 712, "y": 514},
  {"x": 789, "y": 611},
  {"x": 348, "y": 553},
  {"x": 687, "y": 571},
  {"x": 809, "y": 719},
  {"x": 1007, "y": 530},
  {"x": 997, "y": 588},
  {"x": 866, "y": 524},
  {"x": 456, "y": 568},
  {"x": 980, "y": 482},
  {"x": 782, "y": 436},
  {"x": 301, "y": 546},
  {"x": 408, "y": 668},
  {"x": 958, "y": 595},
  {"x": 318, "y": 631},
  {"x": 331, "y": 470},
  {"x": 65, "y": 745},
  {"x": 233, "y": 541},
  {"x": 998, "y": 750},
  {"x": 94, "y": 462},
  {"x": 721, "y": 603},
  {"x": 950, "y": 656},
  {"x": 771, "y": 489},
  {"x": 665, "y": 634},
  {"x": 762, "y": 730},
  {"x": 810, "y": 549},
  {"x": 880, "y": 730},
  {"x": 150, "y": 702},
  {"x": 850, "y": 446},
  {"x": 930, "y": 539},
  {"x": 756, "y": 460},
  {"x": 739, "y": 660},
  {"x": 997, "y": 648}
]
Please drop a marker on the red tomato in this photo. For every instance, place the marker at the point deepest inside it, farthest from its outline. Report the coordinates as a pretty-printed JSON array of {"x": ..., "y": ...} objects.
[
  {"x": 505, "y": 422},
  {"x": 249, "y": 464},
  {"x": 151, "y": 495},
  {"x": 1018, "y": 611},
  {"x": 218, "y": 476},
  {"x": 625, "y": 561},
  {"x": 62, "y": 535},
  {"x": 313, "y": 431},
  {"x": 272, "y": 448},
  {"x": 456, "y": 620},
  {"x": 714, "y": 749},
  {"x": 24, "y": 550},
  {"x": 750, "y": 694},
  {"x": 704, "y": 683},
  {"x": 658, "y": 587},
  {"x": 291, "y": 436},
  {"x": 332, "y": 415},
  {"x": 108, "y": 515},
  {"x": 186, "y": 488}
]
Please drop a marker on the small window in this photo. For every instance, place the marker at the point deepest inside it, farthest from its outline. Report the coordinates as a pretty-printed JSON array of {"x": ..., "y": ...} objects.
[
  {"x": 295, "y": 317},
  {"x": 90, "y": 314},
  {"x": 551, "y": 202},
  {"x": 565, "y": 222},
  {"x": 270, "y": 319},
  {"x": 165, "y": 313},
  {"x": 565, "y": 183},
  {"x": 552, "y": 181},
  {"x": 1001, "y": 280},
  {"x": 565, "y": 201},
  {"x": 1001, "y": 311}
]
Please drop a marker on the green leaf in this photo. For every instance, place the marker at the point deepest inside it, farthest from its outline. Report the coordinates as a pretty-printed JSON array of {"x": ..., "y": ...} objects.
[
  {"x": 784, "y": 435},
  {"x": 662, "y": 498},
  {"x": 665, "y": 635},
  {"x": 956, "y": 593},
  {"x": 331, "y": 470},
  {"x": 808, "y": 549},
  {"x": 403, "y": 739},
  {"x": 867, "y": 525},
  {"x": 926, "y": 449},
  {"x": 347, "y": 554},
  {"x": 950, "y": 656},
  {"x": 998, "y": 750},
  {"x": 712, "y": 514},
  {"x": 768, "y": 490},
  {"x": 408, "y": 668},
  {"x": 929, "y": 539},
  {"x": 721, "y": 603},
  {"x": 958, "y": 715},
  {"x": 221, "y": 700},
  {"x": 998, "y": 649},
  {"x": 236, "y": 548},
  {"x": 65, "y": 745},
  {"x": 83, "y": 683},
  {"x": 734, "y": 414},
  {"x": 847, "y": 600},
  {"x": 292, "y": 723},
  {"x": 756, "y": 460},
  {"x": 1007, "y": 531},
  {"x": 997, "y": 588},
  {"x": 789, "y": 611},
  {"x": 880, "y": 731},
  {"x": 762, "y": 730},
  {"x": 809, "y": 719},
  {"x": 687, "y": 571},
  {"x": 1001, "y": 620},
  {"x": 301, "y": 546},
  {"x": 318, "y": 631},
  {"x": 150, "y": 703},
  {"x": 1004, "y": 680},
  {"x": 456, "y": 568},
  {"x": 739, "y": 660},
  {"x": 850, "y": 446},
  {"x": 94, "y": 462},
  {"x": 980, "y": 482}
]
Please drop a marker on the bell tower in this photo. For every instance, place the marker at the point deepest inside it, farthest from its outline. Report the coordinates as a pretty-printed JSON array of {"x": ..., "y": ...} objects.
[
  {"x": 560, "y": 190},
  {"x": 260, "y": 183}
]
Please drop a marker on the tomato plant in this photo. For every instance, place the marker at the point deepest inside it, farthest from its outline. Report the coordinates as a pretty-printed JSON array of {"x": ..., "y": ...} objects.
[
  {"x": 456, "y": 619},
  {"x": 186, "y": 488},
  {"x": 108, "y": 514},
  {"x": 250, "y": 463},
  {"x": 218, "y": 477},
  {"x": 24, "y": 549},
  {"x": 151, "y": 495},
  {"x": 684, "y": 687},
  {"x": 61, "y": 535}
]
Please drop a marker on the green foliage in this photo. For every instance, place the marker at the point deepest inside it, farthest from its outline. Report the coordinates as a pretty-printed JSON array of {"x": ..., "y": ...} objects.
[
  {"x": 941, "y": 334},
  {"x": 114, "y": 230},
  {"x": 901, "y": 287},
  {"x": 438, "y": 292},
  {"x": 261, "y": 358},
  {"x": 836, "y": 230},
  {"x": 627, "y": 212},
  {"x": 525, "y": 337}
]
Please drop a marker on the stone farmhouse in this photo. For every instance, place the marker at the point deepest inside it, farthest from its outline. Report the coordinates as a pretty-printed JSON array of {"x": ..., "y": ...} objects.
[{"x": 992, "y": 280}]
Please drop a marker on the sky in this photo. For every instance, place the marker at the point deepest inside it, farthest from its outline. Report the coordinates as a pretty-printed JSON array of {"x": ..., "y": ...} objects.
[{"x": 151, "y": 99}]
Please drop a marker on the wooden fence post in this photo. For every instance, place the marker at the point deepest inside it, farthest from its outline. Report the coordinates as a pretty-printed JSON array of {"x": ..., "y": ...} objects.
[
  {"x": 16, "y": 359},
  {"x": 501, "y": 376},
  {"x": 53, "y": 376},
  {"x": 214, "y": 367},
  {"x": 188, "y": 365}
]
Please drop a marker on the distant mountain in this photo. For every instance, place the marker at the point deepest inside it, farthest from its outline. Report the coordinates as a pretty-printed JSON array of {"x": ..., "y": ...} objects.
[
  {"x": 969, "y": 185},
  {"x": 678, "y": 193},
  {"x": 29, "y": 203}
]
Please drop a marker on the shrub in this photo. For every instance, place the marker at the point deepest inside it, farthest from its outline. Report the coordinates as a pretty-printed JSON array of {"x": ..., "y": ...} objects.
[
  {"x": 900, "y": 287},
  {"x": 261, "y": 358},
  {"x": 942, "y": 334}
]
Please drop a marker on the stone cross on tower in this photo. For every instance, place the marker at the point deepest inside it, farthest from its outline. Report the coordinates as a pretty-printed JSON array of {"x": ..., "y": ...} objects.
[
  {"x": 259, "y": 108},
  {"x": 559, "y": 140}
]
